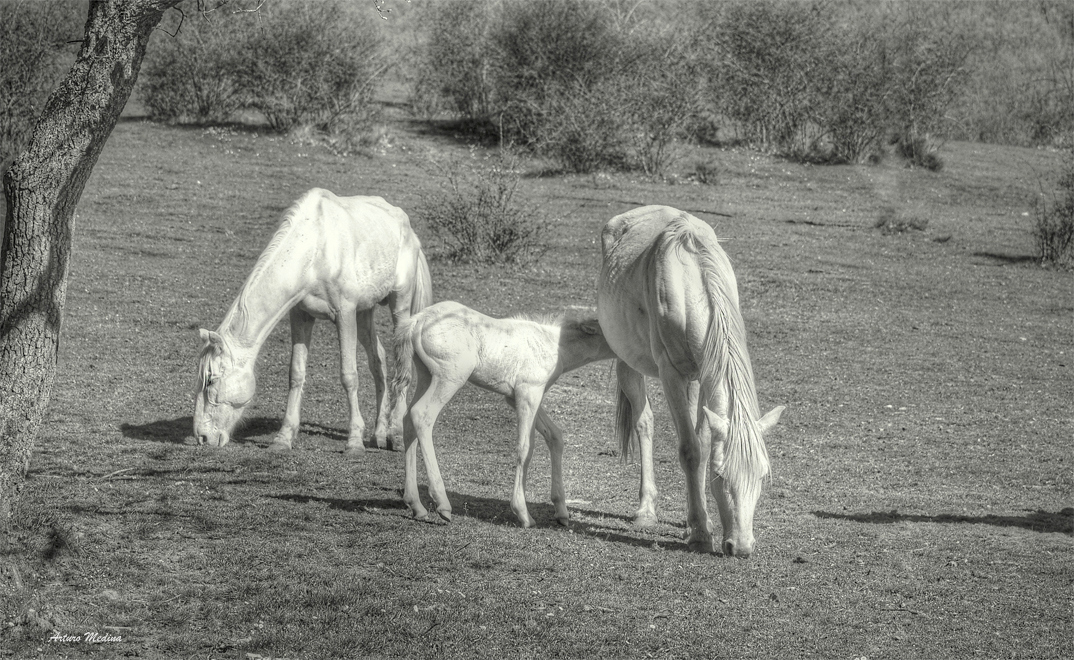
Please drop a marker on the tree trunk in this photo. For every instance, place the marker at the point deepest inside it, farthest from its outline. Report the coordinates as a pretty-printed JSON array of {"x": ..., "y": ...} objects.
[{"x": 42, "y": 187}]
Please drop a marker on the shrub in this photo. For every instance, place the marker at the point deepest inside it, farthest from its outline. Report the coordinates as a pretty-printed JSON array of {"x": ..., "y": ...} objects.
[
  {"x": 455, "y": 64},
  {"x": 851, "y": 107},
  {"x": 766, "y": 56},
  {"x": 34, "y": 55},
  {"x": 1053, "y": 227},
  {"x": 297, "y": 62},
  {"x": 476, "y": 215},
  {"x": 189, "y": 70},
  {"x": 928, "y": 74},
  {"x": 313, "y": 62},
  {"x": 547, "y": 48}
]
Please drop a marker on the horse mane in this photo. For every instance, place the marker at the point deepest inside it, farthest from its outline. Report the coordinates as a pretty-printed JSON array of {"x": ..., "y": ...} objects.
[
  {"x": 725, "y": 358},
  {"x": 239, "y": 310}
]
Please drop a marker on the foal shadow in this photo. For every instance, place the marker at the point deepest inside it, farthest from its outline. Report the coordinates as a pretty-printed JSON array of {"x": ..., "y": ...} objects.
[
  {"x": 495, "y": 512},
  {"x": 1061, "y": 522}
]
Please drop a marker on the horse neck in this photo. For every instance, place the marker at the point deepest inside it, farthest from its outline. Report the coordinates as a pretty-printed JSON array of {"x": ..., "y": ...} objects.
[{"x": 272, "y": 289}]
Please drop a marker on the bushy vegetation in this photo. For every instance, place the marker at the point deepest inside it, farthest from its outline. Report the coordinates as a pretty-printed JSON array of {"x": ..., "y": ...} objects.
[
  {"x": 597, "y": 85},
  {"x": 573, "y": 80},
  {"x": 475, "y": 213},
  {"x": 34, "y": 54},
  {"x": 299, "y": 63},
  {"x": 1053, "y": 217}
]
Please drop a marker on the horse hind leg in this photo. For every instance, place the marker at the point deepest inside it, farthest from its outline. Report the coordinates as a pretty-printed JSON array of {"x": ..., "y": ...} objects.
[
  {"x": 635, "y": 403},
  {"x": 367, "y": 337},
  {"x": 301, "y": 334}
]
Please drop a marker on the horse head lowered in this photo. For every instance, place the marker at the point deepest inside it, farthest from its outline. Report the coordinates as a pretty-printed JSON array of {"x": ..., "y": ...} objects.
[{"x": 224, "y": 389}]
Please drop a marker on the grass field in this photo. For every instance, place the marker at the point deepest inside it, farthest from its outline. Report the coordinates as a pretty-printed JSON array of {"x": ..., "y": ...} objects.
[{"x": 920, "y": 501}]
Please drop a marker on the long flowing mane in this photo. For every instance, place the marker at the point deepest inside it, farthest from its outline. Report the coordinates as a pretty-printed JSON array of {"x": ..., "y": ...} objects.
[
  {"x": 238, "y": 316},
  {"x": 726, "y": 359}
]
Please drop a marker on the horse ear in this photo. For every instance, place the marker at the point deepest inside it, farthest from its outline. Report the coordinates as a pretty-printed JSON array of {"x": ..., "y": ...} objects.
[
  {"x": 717, "y": 421},
  {"x": 212, "y": 339},
  {"x": 770, "y": 418}
]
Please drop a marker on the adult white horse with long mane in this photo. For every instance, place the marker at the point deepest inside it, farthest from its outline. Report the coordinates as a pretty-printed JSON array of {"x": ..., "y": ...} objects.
[
  {"x": 668, "y": 304},
  {"x": 332, "y": 258}
]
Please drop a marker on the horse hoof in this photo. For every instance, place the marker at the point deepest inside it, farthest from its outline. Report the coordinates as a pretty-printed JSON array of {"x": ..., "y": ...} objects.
[
  {"x": 566, "y": 522},
  {"x": 355, "y": 451},
  {"x": 445, "y": 514},
  {"x": 645, "y": 519},
  {"x": 702, "y": 546},
  {"x": 279, "y": 446}
]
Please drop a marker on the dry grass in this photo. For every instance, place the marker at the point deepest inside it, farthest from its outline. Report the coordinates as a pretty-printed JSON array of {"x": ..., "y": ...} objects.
[{"x": 922, "y": 473}]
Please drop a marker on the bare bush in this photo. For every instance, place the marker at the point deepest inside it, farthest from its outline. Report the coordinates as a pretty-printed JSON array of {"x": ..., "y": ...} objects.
[
  {"x": 455, "y": 63},
  {"x": 189, "y": 72},
  {"x": 34, "y": 53},
  {"x": 297, "y": 62},
  {"x": 1053, "y": 216},
  {"x": 767, "y": 55},
  {"x": 476, "y": 213}
]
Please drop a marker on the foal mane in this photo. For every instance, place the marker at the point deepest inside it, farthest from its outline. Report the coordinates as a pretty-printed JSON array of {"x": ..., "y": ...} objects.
[{"x": 725, "y": 358}]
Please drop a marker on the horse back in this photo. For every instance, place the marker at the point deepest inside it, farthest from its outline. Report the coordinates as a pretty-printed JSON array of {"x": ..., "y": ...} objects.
[{"x": 653, "y": 288}]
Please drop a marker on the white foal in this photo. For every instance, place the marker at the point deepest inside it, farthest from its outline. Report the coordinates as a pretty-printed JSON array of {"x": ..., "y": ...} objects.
[{"x": 449, "y": 345}]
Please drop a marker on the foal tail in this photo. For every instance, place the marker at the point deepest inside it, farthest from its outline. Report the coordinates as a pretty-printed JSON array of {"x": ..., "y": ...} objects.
[
  {"x": 422, "y": 295},
  {"x": 403, "y": 356}
]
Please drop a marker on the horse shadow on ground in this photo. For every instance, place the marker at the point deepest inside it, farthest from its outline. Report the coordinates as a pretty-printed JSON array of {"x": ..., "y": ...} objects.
[
  {"x": 1009, "y": 259},
  {"x": 497, "y": 512},
  {"x": 1036, "y": 521},
  {"x": 180, "y": 430}
]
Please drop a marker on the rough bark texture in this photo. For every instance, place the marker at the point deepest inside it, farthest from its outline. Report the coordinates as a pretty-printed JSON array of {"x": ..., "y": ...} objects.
[{"x": 42, "y": 188}]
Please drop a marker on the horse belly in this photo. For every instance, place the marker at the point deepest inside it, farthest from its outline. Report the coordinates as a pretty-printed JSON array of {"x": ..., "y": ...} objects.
[{"x": 626, "y": 326}]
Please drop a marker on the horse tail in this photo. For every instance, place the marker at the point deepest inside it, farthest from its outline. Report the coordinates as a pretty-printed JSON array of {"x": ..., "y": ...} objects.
[
  {"x": 422, "y": 295},
  {"x": 625, "y": 434},
  {"x": 403, "y": 356}
]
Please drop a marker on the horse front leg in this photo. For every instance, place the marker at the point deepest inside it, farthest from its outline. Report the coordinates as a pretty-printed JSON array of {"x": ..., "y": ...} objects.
[
  {"x": 637, "y": 419},
  {"x": 553, "y": 437},
  {"x": 301, "y": 334},
  {"x": 694, "y": 452},
  {"x": 347, "y": 325},
  {"x": 374, "y": 350}
]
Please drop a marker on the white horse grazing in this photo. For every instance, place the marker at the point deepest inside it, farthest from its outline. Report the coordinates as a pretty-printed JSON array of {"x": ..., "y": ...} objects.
[
  {"x": 668, "y": 303},
  {"x": 332, "y": 258},
  {"x": 520, "y": 358}
]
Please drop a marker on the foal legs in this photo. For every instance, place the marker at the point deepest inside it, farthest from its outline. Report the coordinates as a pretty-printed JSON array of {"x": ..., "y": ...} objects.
[
  {"x": 301, "y": 333},
  {"x": 632, "y": 384},
  {"x": 527, "y": 404},
  {"x": 553, "y": 437},
  {"x": 431, "y": 396}
]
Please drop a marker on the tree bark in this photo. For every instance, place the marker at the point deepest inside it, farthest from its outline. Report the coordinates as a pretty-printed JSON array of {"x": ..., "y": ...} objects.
[{"x": 42, "y": 187}]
